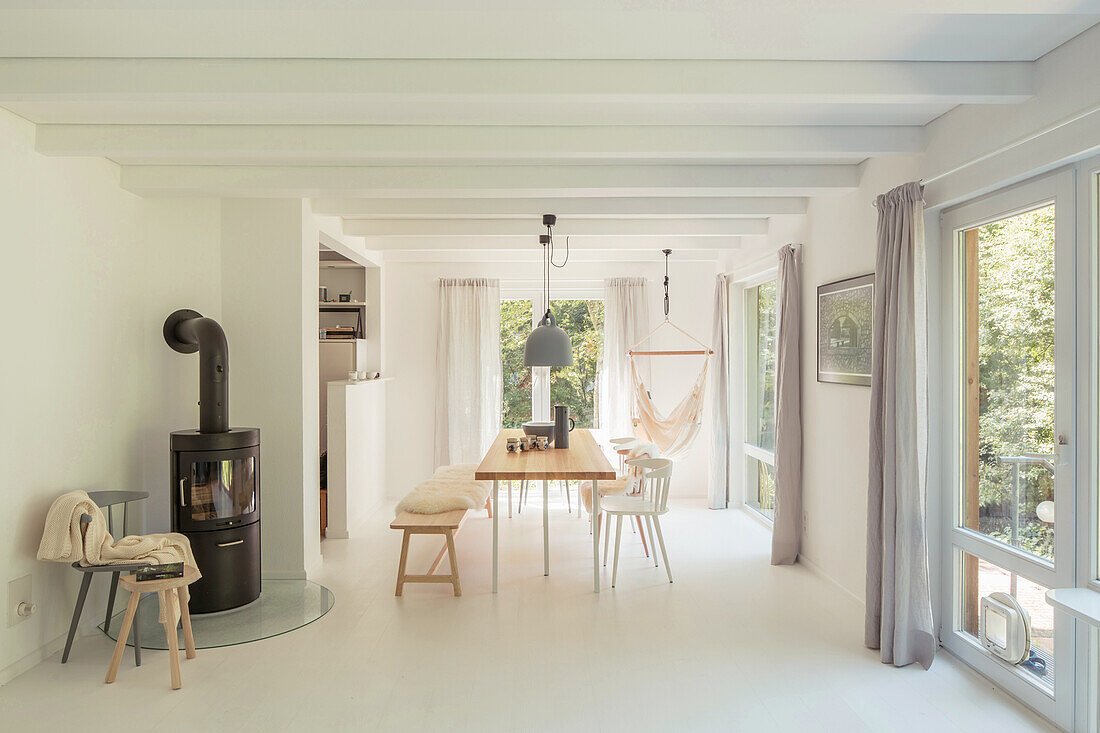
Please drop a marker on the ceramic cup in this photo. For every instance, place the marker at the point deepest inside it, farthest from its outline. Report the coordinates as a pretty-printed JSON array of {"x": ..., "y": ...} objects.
[
  {"x": 362, "y": 376},
  {"x": 353, "y": 376}
]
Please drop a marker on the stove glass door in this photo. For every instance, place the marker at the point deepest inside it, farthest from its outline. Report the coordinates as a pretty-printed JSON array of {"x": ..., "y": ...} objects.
[{"x": 222, "y": 489}]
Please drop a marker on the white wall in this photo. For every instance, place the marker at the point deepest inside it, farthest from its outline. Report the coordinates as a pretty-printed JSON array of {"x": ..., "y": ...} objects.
[
  {"x": 840, "y": 243},
  {"x": 357, "y": 453},
  {"x": 269, "y": 309},
  {"x": 411, "y": 319},
  {"x": 89, "y": 389}
]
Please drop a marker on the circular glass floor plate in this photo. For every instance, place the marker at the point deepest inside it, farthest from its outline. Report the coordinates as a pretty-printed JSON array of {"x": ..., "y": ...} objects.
[{"x": 283, "y": 605}]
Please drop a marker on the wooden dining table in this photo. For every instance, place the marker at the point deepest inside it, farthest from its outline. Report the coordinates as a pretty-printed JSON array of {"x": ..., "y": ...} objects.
[{"x": 583, "y": 460}]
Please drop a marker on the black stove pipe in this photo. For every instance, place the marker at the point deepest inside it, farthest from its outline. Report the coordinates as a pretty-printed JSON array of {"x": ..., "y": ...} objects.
[{"x": 187, "y": 331}]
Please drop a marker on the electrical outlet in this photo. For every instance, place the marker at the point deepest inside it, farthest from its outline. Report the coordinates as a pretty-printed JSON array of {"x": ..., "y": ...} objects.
[
  {"x": 19, "y": 591},
  {"x": 805, "y": 521}
]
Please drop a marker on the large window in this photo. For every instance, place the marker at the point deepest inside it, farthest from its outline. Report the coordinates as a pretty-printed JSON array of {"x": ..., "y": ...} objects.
[
  {"x": 1014, "y": 493},
  {"x": 578, "y": 386},
  {"x": 530, "y": 392},
  {"x": 515, "y": 325},
  {"x": 760, "y": 397}
]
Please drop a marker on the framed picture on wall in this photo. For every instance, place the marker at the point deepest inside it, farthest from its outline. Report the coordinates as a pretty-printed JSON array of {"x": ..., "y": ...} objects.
[{"x": 845, "y": 314}]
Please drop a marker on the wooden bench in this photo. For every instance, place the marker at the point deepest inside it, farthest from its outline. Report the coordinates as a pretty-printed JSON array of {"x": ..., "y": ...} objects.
[{"x": 444, "y": 523}]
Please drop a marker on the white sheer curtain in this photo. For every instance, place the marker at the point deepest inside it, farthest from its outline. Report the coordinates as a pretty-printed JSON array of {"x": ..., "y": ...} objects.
[
  {"x": 468, "y": 372},
  {"x": 787, "y": 527},
  {"x": 719, "y": 413},
  {"x": 899, "y": 610},
  {"x": 626, "y": 321}
]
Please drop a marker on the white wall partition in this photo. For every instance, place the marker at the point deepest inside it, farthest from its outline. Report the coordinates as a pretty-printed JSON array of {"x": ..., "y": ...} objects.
[{"x": 269, "y": 303}]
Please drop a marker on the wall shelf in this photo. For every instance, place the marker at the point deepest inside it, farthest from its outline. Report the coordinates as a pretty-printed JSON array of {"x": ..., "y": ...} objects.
[{"x": 345, "y": 304}]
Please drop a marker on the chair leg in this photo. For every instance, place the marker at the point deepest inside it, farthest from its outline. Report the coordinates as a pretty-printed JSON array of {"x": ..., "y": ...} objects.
[
  {"x": 606, "y": 539},
  {"x": 638, "y": 521},
  {"x": 661, "y": 540},
  {"x": 649, "y": 527},
  {"x": 565, "y": 488},
  {"x": 111, "y": 603},
  {"x": 185, "y": 618},
  {"x": 137, "y": 634},
  {"x": 489, "y": 506},
  {"x": 173, "y": 640},
  {"x": 84, "y": 583},
  {"x": 509, "y": 499},
  {"x": 120, "y": 644},
  {"x": 618, "y": 541}
]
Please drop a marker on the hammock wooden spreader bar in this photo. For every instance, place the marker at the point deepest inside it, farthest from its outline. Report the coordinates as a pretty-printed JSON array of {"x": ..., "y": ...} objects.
[{"x": 690, "y": 352}]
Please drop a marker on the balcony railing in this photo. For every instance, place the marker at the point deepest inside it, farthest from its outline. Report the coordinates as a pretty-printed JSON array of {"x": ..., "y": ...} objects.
[{"x": 1025, "y": 460}]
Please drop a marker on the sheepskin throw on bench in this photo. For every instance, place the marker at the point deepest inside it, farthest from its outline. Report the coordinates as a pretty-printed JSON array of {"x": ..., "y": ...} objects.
[{"x": 451, "y": 487}]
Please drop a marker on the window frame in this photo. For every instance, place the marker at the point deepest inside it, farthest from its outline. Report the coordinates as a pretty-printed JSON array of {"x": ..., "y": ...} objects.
[
  {"x": 520, "y": 290},
  {"x": 1056, "y": 187},
  {"x": 748, "y": 391}
]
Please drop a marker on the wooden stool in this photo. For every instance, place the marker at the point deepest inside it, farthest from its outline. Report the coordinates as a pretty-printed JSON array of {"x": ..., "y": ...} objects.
[{"x": 166, "y": 590}]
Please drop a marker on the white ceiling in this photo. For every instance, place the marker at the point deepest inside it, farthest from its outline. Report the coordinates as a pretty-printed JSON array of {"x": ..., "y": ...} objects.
[
  {"x": 938, "y": 30},
  {"x": 434, "y": 126}
]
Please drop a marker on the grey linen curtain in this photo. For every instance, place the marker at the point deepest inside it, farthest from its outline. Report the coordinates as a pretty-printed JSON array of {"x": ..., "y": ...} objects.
[
  {"x": 719, "y": 413},
  {"x": 787, "y": 522},
  {"x": 468, "y": 371},
  {"x": 899, "y": 610},
  {"x": 626, "y": 321}
]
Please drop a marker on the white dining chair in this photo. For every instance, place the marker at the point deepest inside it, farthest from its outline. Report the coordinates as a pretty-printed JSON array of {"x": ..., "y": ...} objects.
[{"x": 650, "y": 503}]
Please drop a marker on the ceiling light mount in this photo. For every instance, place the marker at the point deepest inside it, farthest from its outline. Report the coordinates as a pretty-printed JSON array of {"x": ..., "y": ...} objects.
[{"x": 548, "y": 345}]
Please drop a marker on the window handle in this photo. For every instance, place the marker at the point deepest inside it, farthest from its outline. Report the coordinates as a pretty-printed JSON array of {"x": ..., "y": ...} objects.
[{"x": 1059, "y": 451}]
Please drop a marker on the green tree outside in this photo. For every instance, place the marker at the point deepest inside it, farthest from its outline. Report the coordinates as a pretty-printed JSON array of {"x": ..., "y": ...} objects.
[{"x": 1016, "y": 373}]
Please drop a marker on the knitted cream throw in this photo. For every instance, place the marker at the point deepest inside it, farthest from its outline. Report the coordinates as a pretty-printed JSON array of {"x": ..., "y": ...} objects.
[{"x": 62, "y": 541}]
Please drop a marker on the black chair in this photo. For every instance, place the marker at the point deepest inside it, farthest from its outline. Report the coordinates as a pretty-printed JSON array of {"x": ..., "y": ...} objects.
[{"x": 108, "y": 499}]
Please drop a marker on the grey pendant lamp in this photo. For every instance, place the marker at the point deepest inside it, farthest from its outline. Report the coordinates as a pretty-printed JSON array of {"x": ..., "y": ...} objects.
[{"x": 548, "y": 345}]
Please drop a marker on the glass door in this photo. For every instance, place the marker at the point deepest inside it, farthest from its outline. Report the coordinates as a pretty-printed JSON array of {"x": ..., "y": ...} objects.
[
  {"x": 1011, "y": 524},
  {"x": 217, "y": 489}
]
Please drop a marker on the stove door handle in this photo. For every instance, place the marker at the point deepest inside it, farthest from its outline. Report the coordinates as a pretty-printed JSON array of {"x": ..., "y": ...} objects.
[
  {"x": 183, "y": 491},
  {"x": 230, "y": 544}
]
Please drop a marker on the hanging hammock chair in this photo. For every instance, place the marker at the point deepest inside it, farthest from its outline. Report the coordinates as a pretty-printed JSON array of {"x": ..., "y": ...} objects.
[{"x": 674, "y": 433}]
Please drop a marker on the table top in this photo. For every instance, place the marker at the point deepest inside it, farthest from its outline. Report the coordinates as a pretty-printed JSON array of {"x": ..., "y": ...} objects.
[
  {"x": 1082, "y": 603},
  {"x": 583, "y": 459}
]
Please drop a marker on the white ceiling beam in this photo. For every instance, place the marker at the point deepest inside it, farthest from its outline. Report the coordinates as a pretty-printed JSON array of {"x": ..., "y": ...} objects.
[
  {"x": 480, "y": 228},
  {"x": 692, "y": 207},
  {"x": 564, "y": 81},
  {"x": 500, "y": 181},
  {"x": 529, "y": 243},
  {"x": 355, "y": 144}
]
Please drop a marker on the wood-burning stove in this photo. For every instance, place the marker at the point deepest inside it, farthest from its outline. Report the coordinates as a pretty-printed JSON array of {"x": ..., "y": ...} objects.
[{"x": 215, "y": 477}]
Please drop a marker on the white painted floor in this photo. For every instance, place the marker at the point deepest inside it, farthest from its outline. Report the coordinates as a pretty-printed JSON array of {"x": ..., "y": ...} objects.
[{"x": 733, "y": 645}]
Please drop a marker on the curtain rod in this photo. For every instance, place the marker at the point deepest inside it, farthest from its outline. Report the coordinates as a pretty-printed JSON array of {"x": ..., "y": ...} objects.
[{"x": 1080, "y": 115}]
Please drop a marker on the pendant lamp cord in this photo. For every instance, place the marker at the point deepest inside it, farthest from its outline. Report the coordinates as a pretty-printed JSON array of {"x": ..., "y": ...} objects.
[
  {"x": 548, "y": 260},
  {"x": 667, "y": 252}
]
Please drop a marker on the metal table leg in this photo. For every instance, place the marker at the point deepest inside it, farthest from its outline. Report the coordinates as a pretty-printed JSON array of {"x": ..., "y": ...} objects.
[
  {"x": 596, "y": 536},
  {"x": 496, "y": 514},
  {"x": 545, "y": 527}
]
